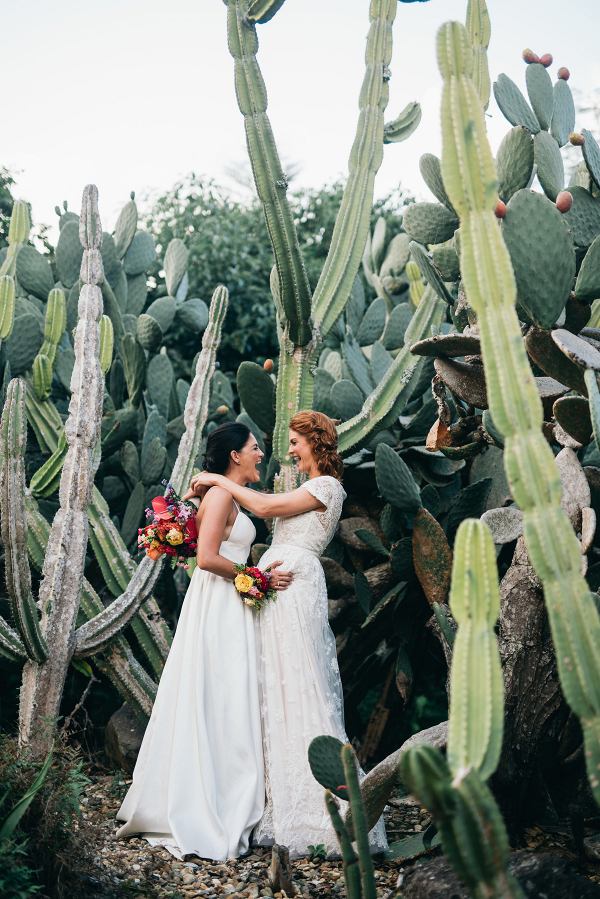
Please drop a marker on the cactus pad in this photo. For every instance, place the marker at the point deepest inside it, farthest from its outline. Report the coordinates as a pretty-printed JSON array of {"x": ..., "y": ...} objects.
[
  {"x": 137, "y": 291},
  {"x": 323, "y": 384},
  {"x": 257, "y": 395},
  {"x": 110, "y": 263},
  {"x": 25, "y": 342},
  {"x": 355, "y": 308},
  {"x": 325, "y": 760},
  {"x": 333, "y": 364},
  {"x": 159, "y": 379},
  {"x": 514, "y": 162},
  {"x": 396, "y": 257},
  {"x": 395, "y": 480},
  {"x": 573, "y": 415},
  {"x": 358, "y": 367},
  {"x": 154, "y": 462},
  {"x": 430, "y": 168},
  {"x": 69, "y": 254},
  {"x": 446, "y": 261},
  {"x": 380, "y": 361},
  {"x": 430, "y": 273},
  {"x": 193, "y": 314},
  {"x": 126, "y": 227},
  {"x": 587, "y": 287},
  {"x": 591, "y": 154},
  {"x": 542, "y": 256},
  {"x": 175, "y": 264},
  {"x": 583, "y": 218},
  {"x": 429, "y": 223},
  {"x": 373, "y": 323},
  {"x": 563, "y": 118},
  {"x": 550, "y": 168},
  {"x": 134, "y": 365},
  {"x": 541, "y": 93},
  {"x": 34, "y": 272},
  {"x": 133, "y": 514},
  {"x": 346, "y": 398},
  {"x": 148, "y": 332},
  {"x": 140, "y": 254},
  {"x": 513, "y": 104},
  {"x": 398, "y": 322},
  {"x": 163, "y": 310},
  {"x": 64, "y": 363}
]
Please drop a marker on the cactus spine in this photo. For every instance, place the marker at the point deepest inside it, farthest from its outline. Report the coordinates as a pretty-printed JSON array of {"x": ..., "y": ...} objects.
[{"x": 470, "y": 181}]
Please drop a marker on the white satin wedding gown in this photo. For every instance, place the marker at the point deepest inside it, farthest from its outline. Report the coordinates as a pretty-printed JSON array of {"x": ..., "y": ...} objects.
[
  {"x": 198, "y": 784},
  {"x": 299, "y": 680}
]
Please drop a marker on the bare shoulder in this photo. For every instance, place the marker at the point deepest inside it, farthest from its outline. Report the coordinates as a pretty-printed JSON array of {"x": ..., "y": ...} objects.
[{"x": 218, "y": 498}]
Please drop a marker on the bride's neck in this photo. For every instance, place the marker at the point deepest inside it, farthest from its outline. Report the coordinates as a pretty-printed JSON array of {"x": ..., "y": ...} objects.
[{"x": 236, "y": 476}]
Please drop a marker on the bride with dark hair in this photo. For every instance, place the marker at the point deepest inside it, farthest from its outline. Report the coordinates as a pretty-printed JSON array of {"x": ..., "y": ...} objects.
[
  {"x": 299, "y": 680},
  {"x": 198, "y": 784}
]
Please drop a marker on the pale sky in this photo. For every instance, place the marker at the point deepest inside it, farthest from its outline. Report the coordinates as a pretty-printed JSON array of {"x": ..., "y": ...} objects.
[{"x": 133, "y": 95}]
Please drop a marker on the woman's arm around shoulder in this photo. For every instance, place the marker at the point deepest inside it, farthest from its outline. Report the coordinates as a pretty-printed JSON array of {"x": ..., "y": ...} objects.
[{"x": 266, "y": 505}]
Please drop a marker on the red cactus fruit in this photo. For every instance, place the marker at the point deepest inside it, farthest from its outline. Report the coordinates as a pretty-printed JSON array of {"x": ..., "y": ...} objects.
[
  {"x": 528, "y": 55},
  {"x": 577, "y": 139},
  {"x": 546, "y": 60},
  {"x": 500, "y": 210},
  {"x": 564, "y": 201},
  {"x": 268, "y": 365},
  {"x": 563, "y": 73}
]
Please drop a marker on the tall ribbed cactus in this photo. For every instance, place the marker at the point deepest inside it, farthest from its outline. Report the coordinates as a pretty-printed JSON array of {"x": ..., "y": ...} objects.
[
  {"x": 470, "y": 181},
  {"x": 303, "y": 324},
  {"x": 47, "y": 642},
  {"x": 60, "y": 589}
]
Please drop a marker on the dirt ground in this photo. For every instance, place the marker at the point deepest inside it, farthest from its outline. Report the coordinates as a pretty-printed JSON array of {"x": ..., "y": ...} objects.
[{"x": 133, "y": 869}]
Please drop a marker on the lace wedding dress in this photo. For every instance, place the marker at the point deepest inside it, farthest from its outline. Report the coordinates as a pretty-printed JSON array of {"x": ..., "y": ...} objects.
[
  {"x": 198, "y": 784},
  {"x": 299, "y": 680}
]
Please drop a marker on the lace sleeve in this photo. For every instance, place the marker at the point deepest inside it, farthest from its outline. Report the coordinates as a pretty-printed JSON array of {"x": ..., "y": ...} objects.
[{"x": 327, "y": 490}]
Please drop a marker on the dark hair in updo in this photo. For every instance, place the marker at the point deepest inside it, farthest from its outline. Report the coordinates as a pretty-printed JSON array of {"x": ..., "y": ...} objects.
[{"x": 227, "y": 438}]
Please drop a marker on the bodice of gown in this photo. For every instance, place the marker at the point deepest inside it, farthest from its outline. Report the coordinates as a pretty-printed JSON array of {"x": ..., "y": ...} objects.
[
  {"x": 237, "y": 546},
  {"x": 313, "y": 530}
]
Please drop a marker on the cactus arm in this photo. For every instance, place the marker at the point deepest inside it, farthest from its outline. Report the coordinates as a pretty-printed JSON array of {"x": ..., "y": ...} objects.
[
  {"x": 269, "y": 178},
  {"x": 349, "y": 858},
  {"x": 117, "y": 661},
  {"x": 390, "y": 396},
  {"x": 469, "y": 177},
  {"x": 7, "y": 306},
  {"x": 11, "y": 647},
  {"x": 47, "y": 478},
  {"x": 359, "y": 824},
  {"x": 478, "y": 26},
  {"x": 13, "y": 429},
  {"x": 60, "y": 589},
  {"x": 43, "y": 418},
  {"x": 196, "y": 407},
  {"x": 476, "y": 683},
  {"x": 18, "y": 234},
  {"x": 262, "y": 11},
  {"x": 96, "y": 634},
  {"x": 353, "y": 220}
]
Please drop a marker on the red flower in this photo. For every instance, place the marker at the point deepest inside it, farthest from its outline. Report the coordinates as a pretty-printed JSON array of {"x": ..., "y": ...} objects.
[
  {"x": 161, "y": 509},
  {"x": 192, "y": 530},
  {"x": 169, "y": 550}
]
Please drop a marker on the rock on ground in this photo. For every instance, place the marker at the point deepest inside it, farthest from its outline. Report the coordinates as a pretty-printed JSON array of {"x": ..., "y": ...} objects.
[{"x": 123, "y": 736}]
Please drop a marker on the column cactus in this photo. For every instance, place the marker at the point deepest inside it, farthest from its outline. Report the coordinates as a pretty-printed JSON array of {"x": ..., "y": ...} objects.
[
  {"x": 305, "y": 323},
  {"x": 471, "y": 184},
  {"x": 60, "y": 589}
]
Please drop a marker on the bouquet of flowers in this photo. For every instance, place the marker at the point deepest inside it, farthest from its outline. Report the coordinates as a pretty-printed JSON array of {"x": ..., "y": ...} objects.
[
  {"x": 253, "y": 585},
  {"x": 172, "y": 531}
]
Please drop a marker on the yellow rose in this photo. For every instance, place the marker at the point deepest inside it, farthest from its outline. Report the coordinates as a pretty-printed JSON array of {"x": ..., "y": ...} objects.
[
  {"x": 243, "y": 583},
  {"x": 174, "y": 537}
]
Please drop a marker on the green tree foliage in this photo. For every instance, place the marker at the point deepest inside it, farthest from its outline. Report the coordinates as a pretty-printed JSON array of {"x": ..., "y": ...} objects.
[{"x": 229, "y": 245}]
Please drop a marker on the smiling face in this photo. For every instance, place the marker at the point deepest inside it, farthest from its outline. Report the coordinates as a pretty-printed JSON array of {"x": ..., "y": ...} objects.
[
  {"x": 301, "y": 451},
  {"x": 249, "y": 457}
]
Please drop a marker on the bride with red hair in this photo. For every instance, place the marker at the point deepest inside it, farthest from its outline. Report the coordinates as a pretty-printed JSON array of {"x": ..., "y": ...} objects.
[{"x": 300, "y": 689}]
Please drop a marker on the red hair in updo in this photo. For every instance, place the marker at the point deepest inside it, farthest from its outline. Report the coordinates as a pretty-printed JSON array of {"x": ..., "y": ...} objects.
[{"x": 321, "y": 433}]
